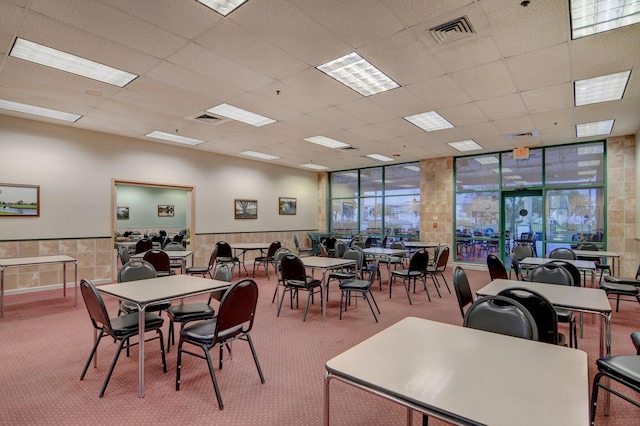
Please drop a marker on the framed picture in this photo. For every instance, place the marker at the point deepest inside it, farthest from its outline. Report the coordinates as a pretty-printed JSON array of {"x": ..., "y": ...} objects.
[
  {"x": 246, "y": 209},
  {"x": 165, "y": 211},
  {"x": 19, "y": 200},
  {"x": 122, "y": 213},
  {"x": 287, "y": 205}
]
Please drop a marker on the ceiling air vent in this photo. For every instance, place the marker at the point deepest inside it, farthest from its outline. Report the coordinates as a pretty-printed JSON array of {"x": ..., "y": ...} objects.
[
  {"x": 348, "y": 149},
  {"x": 453, "y": 30},
  {"x": 515, "y": 136},
  {"x": 208, "y": 118}
]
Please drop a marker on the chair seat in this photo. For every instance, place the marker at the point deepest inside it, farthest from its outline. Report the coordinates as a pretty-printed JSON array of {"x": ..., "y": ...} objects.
[
  {"x": 190, "y": 312},
  {"x": 622, "y": 281},
  {"x": 128, "y": 324},
  {"x": 342, "y": 275},
  {"x": 355, "y": 284},
  {"x": 619, "y": 288},
  {"x": 204, "y": 332},
  {"x": 309, "y": 283},
  {"x": 130, "y": 307},
  {"x": 624, "y": 367},
  {"x": 564, "y": 315},
  {"x": 407, "y": 273},
  {"x": 197, "y": 270}
]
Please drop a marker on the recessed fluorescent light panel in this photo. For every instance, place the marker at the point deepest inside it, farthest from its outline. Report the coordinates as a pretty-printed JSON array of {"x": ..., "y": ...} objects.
[
  {"x": 487, "y": 160},
  {"x": 314, "y": 166},
  {"x": 354, "y": 71},
  {"x": 43, "y": 55},
  {"x": 35, "y": 110},
  {"x": 601, "y": 89},
  {"x": 260, "y": 155},
  {"x": 429, "y": 121},
  {"x": 379, "y": 157},
  {"x": 589, "y": 163},
  {"x": 242, "y": 115},
  {"x": 174, "y": 138},
  {"x": 223, "y": 7},
  {"x": 412, "y": 168},
  {"x": 593, "y": 129},
  {"x": 595, "y": 16},
  {"x": 590, "y": 149},
  {"x": 462, "y": 146},
  {"x": 328, "y": 142}
]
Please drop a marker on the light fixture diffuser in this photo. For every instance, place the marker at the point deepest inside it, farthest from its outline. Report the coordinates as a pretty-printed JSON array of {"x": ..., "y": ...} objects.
[
  {"x": 594, "y": 129},
  {"x": 595, "y": 16},
  {"x": 314, "y": 166},
  {"x": 174, "y": 138},
  {"x": 328, "y": 142},
  {"x": 43, "y": 55},
  {"x": 223, "y": 7},
  {"x": 429, "y": 121},
  {"x": 379, "y": 157},
  {"x": 240, "y": 114},
  {"x": 601, "y": 89},
  {"x": 487, "y": 160},
  {"x": 36, "y": 110},
  {"x": 462, "y": 146},
  {"x": 260, "y": 155},
  {"x": 412, "y": 168},
  {"x": 355, "y": 72}
]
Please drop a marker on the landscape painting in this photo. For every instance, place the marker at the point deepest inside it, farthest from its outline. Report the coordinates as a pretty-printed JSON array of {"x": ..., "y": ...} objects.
[{"x": 19, "y": 200}]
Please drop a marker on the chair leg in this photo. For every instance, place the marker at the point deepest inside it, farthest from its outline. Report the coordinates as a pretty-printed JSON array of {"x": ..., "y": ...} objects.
[
  {"x": 255, "y": 357},
  {"x": 447, "y": 284},
  {"x": 306, "y": 308},
  {"x": 113, "y": 364},
  {"x": 281, "y": 300},
  {"x": 213, "y": 378},
  {"x": 341, "y": 301},
  {"x": 93, "y": 352},
  {"x": 364, "y": 296},
  {"x": 407, "y": 287}
]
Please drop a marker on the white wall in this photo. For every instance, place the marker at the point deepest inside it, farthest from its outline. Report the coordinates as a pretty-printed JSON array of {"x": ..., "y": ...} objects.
[{"x": 75, "y": 168}]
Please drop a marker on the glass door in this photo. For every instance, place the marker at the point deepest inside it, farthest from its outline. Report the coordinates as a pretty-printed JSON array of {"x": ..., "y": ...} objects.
[{"x": 523, "y": 221}]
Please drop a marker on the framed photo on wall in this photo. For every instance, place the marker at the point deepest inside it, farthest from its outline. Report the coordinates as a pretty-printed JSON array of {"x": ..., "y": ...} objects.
[
  {"x": 122, "y": 213},
  {"x": 287, "y": 205},
  {"x": 246, "y": 209},
  {"x": 19, "y": 200},
  {"x": 165, "y": 210}
]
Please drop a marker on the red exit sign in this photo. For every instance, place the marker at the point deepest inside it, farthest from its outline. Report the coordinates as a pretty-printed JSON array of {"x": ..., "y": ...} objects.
[{"x": 521, "y": 153}]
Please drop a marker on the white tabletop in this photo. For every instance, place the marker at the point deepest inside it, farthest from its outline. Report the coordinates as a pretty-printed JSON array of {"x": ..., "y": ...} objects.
[
  {"x": 463, "y": 374},
  {"x": 580, "y": 264},
  {"x": 325, "y": 262},
  {"x": 173, "y": 254},
  {"x": 34, "y": 260},
  {"x": 422, "y": 244},
  {"x": 596, "y": 253},
  {"x": 377, "y": 251},
  {"x": 250, "y": 246}
]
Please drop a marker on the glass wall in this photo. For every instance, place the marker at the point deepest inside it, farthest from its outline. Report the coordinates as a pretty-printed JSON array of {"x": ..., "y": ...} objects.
[{"x": 377, "y": 202}]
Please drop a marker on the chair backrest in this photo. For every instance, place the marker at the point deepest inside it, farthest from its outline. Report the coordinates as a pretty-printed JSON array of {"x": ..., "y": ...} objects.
[
  {"x": 95, "y": 306},
  {"x": 461, "y": 286},
  {"x": 515, "y": 265},
  {"x": 551, "y": 273},
  {"x": 237, "y": 310},
  {"x": 354, "y": 254},
  {"x": 359, "y": 243},
  {"x": 398, "y": 245},
  {"x": 123, "y": 253},
  {"x": 522, "y": 250},
  {"x": 330, "y": 243},
  {"x": 174, "y": 246},
  {"x": 224, "y": 249},
  {"x": 323, "y": 250},
  {"x": 292, "y": 268},
  {"x": 341, "y": 248},
  {"x": 507, "y": 316},
  {"x": 136, "y": 270},
  {"x": 540, "y": 309},
  {"x": 143, "y": 245},
  {"x": 178, "y": 238},
  {"x": 383, "y": 244},
  {"x": 419, "y": 260},
  {"x": 224, "y": 273},
  {"x": 573, "y": 270},
  {"x": 443, "y": 258},
  {"x": 436, "y": 253},
  {"x": 280, "y": 253},
  {"x": 562, "y": 253},
  {"x": 159, "y": 259},
  {"x": 367, "y": 242},
  {"x": 374, "y": 272},
  {"x": 273, "y": 247},
  {"x": 497, "y": 270},
  {"x": 296, "y": 243}
]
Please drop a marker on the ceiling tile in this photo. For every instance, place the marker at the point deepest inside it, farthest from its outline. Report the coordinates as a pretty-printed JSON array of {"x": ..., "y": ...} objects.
[{"x": 485, "y": 81}]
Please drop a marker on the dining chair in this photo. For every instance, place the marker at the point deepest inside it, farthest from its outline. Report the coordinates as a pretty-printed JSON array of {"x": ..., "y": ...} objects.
[
  {"x": 622, "y": 286},
  {"x": 295, "y": 280},
  {"x": 175, "y": 246},
  {"x": 562, "y": 253},
  {"x": 143, "y": 245},
  {"x": 277, "y": 258},
  {"x": 266, "y": 260},
  {"x": 497, "y": 270},
  {"x": 302, "y": 251},
  {"x": 348, "y": 272},
  {"x": 138, "y": 269},
  {"x": 160, "y": 261},
  {"x": 361, "y": 287},
  {"x": 462, "y": 288},
  {"x": 499, "y": 314},
  {"x": 437, "y": 270},
  {"x": 204, "y": 270},
  {"x": 225, "y": 255},
  {"x": 417, "y": 269}
]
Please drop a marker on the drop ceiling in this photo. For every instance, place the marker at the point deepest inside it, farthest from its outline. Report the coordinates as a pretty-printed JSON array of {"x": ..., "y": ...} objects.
[{"x": 514, "y": 75}]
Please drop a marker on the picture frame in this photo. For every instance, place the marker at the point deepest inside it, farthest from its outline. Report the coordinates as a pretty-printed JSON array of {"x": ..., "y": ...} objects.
[
  {"x": 19, "y": 200},
  {"x": 287, "y": 205},
  {"x": 246, "y": 209},
  {"x": 165, "y": 210},
  {"x": 122, "y": 213}
]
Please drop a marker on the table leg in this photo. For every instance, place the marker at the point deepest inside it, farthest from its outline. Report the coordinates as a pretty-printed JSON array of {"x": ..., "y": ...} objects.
[
  {"x": 605, "y": 351},
  {"x": 2, "y": 292},
  {"x": 141, "y": 327},
  {"x": 323, "y": 295},
  {"x": 64, "y": 279},
  {"x": 326, "y": 415},
  {"x": 75, "y": 284}
]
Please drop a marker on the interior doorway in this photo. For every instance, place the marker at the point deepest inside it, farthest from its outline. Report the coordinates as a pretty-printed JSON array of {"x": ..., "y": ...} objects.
[{"x": 523, "y": 221}]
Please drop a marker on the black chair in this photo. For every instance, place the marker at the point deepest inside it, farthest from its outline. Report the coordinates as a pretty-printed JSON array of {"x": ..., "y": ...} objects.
[
  {"x": 160, "y": 261},
  {"x": 174, "y": 246},
  {"x": 395, "y": 260},
  {"x": 417, "y": 269},
  {"x": 234, "y": 321},
  {"x": 295, "y": 280},
  {"x": 347, "y": 273},
  {"x": 123, "y": 254},
  {"x": 601, "y": 265},
  {"x": 204, "y": 270},
  {"x": 462, "y": 289},
  {"x": 330, "y": 244},
  {"x": 497, "y": 270},
  {"x": 189, "y": 312},
  {"x": 521, "y": 251},
  {"x": 438, "y": 269},
  {"x": 224, "y": 255},
  {"x": 277, "y": 258},
  {"x": 555, "y": 273},
  {"x": 266, "y": 260},
  {"x": 620, "y": 286},
  {"x": 363, "y": 287},
  {"x": 302, "y": 251},
  {"x": 340, "y": 248},
  {"x": 542, "y": 312},
  {"x": 635, "y": 339},
  {"x": 562, "y": 253},
  {"x": 517, "y": 271},
  {"x": 143, "y": 245},
  {"x": 623, "y": 369},
  {"x": 499, "y": 314},
  {"x": 133, "y": 271},
  {"x": 121, "y": 329}
]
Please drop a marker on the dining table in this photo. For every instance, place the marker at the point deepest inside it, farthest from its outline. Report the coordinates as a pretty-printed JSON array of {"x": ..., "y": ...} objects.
[
  {"x": 325, "y": 264},
  {"x": 181, "y": 255},
  {"x": 243, "y": 248}
]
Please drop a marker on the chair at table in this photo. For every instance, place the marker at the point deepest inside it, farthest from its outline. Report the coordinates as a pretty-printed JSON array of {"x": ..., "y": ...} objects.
[
  {"x": 204, "y": 270},
  {"x": 394, "y": 260},
  {"x": 438, "y": 269},
  {"x": 349, "y": 272},
  {"x": 542, "y": 312},
  {"x": 417, "y": 269},
  {"x": 224, "y": 255},
  {"x": 323, "y": 250},
  {"x": 499, "y": 314},
  {"x": 143, "y": 245},
  {"x": 175, "y": 246},
  {"x": 123, "y": 254},
  {"x": 266, "y": 260},
  {"x": 497, "y": 270},
  {"x": 562, "y": 253},
  {"x": 189, "y": 312},
  {"x": 521, "y": 251},
  {"x": 277, "y": 258},
  {"x": 330, "y": 244},
  {"x": 515, "y": 266},
  {"x": 302, "y": 250},
  {"x": 635, "y": 339},
  {"x": 462, "y": 288},
  {"x": 340, "y": 248},
  {"x": 363, "y": 287},
  {"x": 120, "y": 328},
  {"x": 621, "y": 286},
  {"x": 133, "y": 271},
  {"x": 296, "y": 280},
  {"x": 601, "y": 265},
  {"x": 160, "y": 261},
  {"x": 624, "y": 369},
  {"x": 554, "y": 273},
  {"x": 233, "y": 322}
]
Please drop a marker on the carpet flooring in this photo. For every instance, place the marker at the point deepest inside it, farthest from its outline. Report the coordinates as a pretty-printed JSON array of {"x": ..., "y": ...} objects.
[{"x": 45, "y": 341}]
